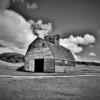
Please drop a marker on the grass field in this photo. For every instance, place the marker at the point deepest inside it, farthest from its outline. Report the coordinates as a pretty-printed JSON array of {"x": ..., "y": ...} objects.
[
  {"x": 70, "y": 88},
  {"x": 62, "y": 88}
]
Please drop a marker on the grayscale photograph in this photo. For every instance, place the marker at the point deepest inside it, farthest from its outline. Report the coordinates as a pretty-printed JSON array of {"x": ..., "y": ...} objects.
[{"x": 49, "y": 50}]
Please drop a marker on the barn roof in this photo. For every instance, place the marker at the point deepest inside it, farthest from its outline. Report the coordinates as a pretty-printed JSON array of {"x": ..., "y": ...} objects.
[{"x": 58, "y": 51}]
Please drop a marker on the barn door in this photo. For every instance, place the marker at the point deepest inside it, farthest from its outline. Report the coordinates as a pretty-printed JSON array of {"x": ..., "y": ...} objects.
[
  {"x": 39, "y": 65},
  {"x": 31, "y": 65}
]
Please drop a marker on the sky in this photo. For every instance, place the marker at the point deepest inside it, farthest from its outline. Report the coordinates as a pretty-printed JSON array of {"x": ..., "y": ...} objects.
[{"x": 76, "y": 21}]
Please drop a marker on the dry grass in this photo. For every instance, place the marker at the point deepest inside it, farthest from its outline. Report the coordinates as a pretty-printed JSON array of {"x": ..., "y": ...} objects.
[
  {"x": 79, "y": 69},
  {"x": 69, "y": 88}
]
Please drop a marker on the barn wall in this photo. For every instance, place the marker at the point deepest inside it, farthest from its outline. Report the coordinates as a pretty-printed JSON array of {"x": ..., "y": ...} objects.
[
  {"x": 62, "y": 65},
  {"x": 62, "y": 68},
  {"x": 49, "y": 65},
  {"x": 39, "y": 51},
  {"x": 29, "y": 65},
  {"x": 26, "y": 65}
]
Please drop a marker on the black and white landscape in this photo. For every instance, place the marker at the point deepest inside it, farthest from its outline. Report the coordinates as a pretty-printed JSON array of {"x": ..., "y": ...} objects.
[{"x": 49, "y": 50}]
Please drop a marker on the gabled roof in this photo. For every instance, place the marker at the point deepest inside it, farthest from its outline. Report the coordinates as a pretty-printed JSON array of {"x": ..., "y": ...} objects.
[{"x": 58, "y": 51}]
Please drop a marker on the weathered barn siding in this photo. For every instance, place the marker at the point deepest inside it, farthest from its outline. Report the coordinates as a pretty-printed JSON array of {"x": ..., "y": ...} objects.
[
  {"x": 32, "y": 65},
  {"x": 49, "y": 65},
  {"x": 29, "y": 65},
  {"x": 39, "y": 51},
  {"x": 59, "y": 65},
  {"x": 26, "y": 64},
  {"x": 63, "y": 65},
  {"x": 51, "y": 56}
]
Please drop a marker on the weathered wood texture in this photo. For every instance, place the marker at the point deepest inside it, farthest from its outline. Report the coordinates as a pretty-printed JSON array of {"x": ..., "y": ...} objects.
[
  {"x": 29, "y": 65},
  {"x": 38, "y": 50},
  {"x": 59, "y": 68},
  {"x": 40, "y": 53},
  {"x": 49, "y": 65},
  {"x": 61, "y": 65},
  {"x": 56, "y": 58},
  {"x": 26, "y": 65}
]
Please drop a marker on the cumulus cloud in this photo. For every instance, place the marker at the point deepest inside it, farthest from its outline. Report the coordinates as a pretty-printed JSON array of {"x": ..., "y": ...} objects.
[
  {"x": 31, "y": 6},
  {"x": 15, "y": 30},
  {"x": 73, "y": 43},
  {"x": 41, "y": 29},
  {"x": 87, "y": 39},
  {"x": 17, "y": 33},
  {"x": 92, "y": 54},
  {"x": 5, "y": 49}
]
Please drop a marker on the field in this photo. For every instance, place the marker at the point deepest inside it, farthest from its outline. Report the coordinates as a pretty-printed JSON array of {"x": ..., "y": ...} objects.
[
  {"x": 70, "y": 88},
  {"x": 57, "y": 88}
]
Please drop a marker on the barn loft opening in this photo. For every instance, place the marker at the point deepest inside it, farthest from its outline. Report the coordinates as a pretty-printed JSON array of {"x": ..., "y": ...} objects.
[{"x": 39, "y": 65}]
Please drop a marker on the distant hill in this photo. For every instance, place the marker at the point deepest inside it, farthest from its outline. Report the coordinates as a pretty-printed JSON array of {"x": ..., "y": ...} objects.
[
  {"x": 12, "y": 57},
  {"x": 88, "y": 63}
]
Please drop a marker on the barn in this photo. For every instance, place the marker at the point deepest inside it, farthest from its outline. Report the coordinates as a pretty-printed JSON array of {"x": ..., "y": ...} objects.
[{"x": 46, "y": 55}]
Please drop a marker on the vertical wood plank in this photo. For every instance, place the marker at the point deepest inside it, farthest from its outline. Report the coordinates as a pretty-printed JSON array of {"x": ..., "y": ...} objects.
[{"x": 32, "y": 65}]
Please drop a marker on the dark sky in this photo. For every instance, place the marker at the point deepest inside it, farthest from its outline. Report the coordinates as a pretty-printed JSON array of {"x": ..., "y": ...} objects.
[
  {"x": 77, "y": 16},
  {"x": 67, "y": 15}
]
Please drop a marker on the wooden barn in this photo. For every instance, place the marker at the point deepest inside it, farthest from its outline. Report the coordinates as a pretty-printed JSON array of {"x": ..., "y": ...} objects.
[{"x": 46, "y": 55}]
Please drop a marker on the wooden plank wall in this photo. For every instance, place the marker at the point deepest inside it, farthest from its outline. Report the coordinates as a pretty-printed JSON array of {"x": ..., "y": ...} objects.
[
  {"x": 49, "y": 65},
  {"x": 26, "y": 65},
  {"x": 62, "y": 66},
  {"x": 39, "y": 53}
]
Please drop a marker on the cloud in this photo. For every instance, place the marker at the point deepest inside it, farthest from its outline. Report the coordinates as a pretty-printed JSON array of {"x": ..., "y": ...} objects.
[
  {"x": 87, "y": 39},
  {"x": 92, "y": 54},
  {"x": 40, "y": 28},
  {"x": 73, "y": 43},
  {"x": 15, "y": 31},
  {"x": 31, "y": 6},
  {"x": 5, "y": 49}
]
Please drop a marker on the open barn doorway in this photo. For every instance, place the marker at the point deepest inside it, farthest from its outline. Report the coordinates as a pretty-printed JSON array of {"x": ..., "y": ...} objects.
[{"x": 39, "y": 65}]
